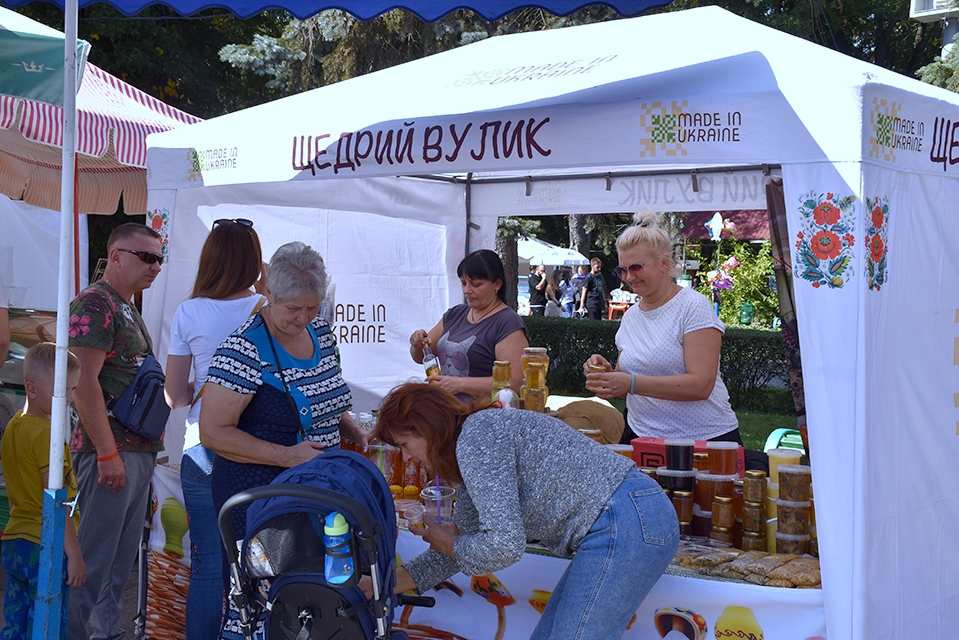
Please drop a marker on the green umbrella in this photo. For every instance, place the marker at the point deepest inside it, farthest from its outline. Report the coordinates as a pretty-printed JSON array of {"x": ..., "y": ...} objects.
[{"x": 31, "y": 59}]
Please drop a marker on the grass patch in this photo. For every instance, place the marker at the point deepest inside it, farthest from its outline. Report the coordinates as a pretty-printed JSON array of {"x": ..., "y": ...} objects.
[{"x": 756, "y": 427}]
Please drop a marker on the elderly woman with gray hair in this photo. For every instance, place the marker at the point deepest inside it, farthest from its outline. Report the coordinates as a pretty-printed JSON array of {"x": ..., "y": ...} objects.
[{"x": 274, "y": 395}]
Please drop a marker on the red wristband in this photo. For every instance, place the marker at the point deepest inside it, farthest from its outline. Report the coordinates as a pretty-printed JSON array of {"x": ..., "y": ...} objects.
[{"x": 109, "y": 457}]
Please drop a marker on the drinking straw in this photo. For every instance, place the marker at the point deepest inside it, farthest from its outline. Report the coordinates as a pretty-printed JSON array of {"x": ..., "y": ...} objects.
[{"x": 439, "y": 495}]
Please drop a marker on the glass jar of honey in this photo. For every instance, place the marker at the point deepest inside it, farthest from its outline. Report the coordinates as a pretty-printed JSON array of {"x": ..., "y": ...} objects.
[
  {"x": 753, "y": 541},
  {"x": 722, "y": 512},
  {"x": 502, "y": 376},
  {"x": 754, "y": 518},
  {"x": 754, "y": 486},
  {"x": 721, "y": 534},
  {"x": 535, "y": 387},
  {"x": 683, "y": 502},
  {"x": 701, "y": 461}
]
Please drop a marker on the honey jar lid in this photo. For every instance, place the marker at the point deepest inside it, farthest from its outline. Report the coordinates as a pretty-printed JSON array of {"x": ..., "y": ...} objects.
[
  {"x": 721, "y": 529},
  {"x": 700, "y": 455},
  {"x": 757, "y": 474},
  {"x": 723, "y": 499},
  {"x": 753, "y": 534},
  {"x": 683, "y": 494},
  {"x": 719, "y": 444},
  {"x": 501, "y": 363},
  {"x": 798, "y": 469},
  {"x": 534, "y": 350},
  {"x": 747, "y": 503}
]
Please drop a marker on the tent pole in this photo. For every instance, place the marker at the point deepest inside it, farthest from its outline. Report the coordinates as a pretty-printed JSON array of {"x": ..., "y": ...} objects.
[
  {"x": 469, "y": 210},
  {"x": 76, "y": 228},
  {"x": 49, "y": 599}
]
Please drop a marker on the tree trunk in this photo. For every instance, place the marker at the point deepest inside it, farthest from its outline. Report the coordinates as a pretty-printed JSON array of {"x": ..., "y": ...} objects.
[
  {"x": 578, "y": 235},
  {"x": 506, "y": 248}
]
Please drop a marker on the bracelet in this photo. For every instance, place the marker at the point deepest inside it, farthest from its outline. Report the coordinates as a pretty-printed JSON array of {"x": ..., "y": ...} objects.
[
  {"x": 109, "y": 457},
  {"x": 632, "y": 385}
]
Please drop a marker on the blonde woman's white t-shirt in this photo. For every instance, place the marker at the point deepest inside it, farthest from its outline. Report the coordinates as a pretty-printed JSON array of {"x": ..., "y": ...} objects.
[
  {"x": 651, "y": 344},
  {"x": 199, "y": 326}
]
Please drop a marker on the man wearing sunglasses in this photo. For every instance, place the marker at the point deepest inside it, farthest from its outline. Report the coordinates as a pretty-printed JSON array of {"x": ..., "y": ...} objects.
[{"x": 114, "y": 466}]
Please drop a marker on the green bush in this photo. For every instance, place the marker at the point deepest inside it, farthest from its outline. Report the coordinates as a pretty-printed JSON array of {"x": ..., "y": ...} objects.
[{"x": 751, "y": 359}]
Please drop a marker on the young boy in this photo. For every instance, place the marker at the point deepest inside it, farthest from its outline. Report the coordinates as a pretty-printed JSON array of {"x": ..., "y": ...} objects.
[{"x": 25, "y": 452}]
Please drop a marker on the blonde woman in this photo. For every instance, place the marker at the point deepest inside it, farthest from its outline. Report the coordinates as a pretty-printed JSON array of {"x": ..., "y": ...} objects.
[{"x": 669, "y": 346}]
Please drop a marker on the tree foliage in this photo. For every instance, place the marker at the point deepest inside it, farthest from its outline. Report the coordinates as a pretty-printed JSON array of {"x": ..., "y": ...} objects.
[
  {"x": 944, "y": 70},
  {"x": 172, "y": 57},
  {"x": 751, "y": 279}
]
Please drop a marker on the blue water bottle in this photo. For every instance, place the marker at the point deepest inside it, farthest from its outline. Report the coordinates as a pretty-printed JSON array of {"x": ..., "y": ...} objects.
[{"x": 338, "y": 567}]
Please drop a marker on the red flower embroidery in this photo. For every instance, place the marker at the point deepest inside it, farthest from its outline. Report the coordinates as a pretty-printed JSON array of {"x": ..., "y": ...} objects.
[
  {"x": 156, "y": 222},
  {"x": 829, "y": 196},
  {"x": 877, "y": 217},
  {"x": 826, "y": 245},
  {"x": 79, "y": 326},
  {"x": 826, "y": 214},
  {"x": 815, "y": 285},
  {"x": 800, "y": 235},
  {"x": 876, "y": 248},
  {"x": 849, "y": 239}
]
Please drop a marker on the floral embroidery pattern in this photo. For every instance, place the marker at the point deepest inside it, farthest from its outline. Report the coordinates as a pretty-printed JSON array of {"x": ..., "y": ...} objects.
[
  {"x": 79, "y": 326},
  {"x": 824, "y": 245},
  {"x": 878, "y": 222},
  {"x": 159, "y": 221}
]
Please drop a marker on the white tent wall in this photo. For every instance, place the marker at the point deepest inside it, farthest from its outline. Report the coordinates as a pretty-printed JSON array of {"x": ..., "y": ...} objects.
[
  {"x": 910, "y": 414},
  {"x": 29, "y": 250},
  {"x": 390, "y": 247},
  {"x": 879, "y": 377}
]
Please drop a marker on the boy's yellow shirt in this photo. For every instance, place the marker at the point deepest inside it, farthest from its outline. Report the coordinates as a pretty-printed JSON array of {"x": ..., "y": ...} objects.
[{"x": 25, "y": 452}]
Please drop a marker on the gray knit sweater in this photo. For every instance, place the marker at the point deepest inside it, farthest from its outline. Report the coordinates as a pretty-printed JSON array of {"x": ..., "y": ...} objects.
[{"x": 526, "y": 477}]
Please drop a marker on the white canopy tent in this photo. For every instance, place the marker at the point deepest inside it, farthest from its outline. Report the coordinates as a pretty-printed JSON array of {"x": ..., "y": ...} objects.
[{"x": 622, "y": 116}]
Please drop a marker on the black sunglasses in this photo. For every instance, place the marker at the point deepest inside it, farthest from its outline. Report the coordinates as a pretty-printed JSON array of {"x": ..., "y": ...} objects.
[
  {"x": 145, "y": 256},
  {"x": 240, "y": 221}
]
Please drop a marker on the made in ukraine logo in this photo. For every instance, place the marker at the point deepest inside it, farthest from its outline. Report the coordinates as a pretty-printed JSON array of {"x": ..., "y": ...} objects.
[
  {"x": 670, "y": 128},
  {"x": 211, "y": 160},
  {"x": 891, "y": 132}
]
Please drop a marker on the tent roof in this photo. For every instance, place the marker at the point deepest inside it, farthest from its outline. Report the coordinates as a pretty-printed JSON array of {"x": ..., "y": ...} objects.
[
  {"x": 612, "y": 92},
  {"x": 114, "y": 119}
]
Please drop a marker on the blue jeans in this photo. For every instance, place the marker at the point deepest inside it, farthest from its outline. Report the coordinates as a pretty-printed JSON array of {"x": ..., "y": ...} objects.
[
  {"x": 567, "y": 309},
  {"x": 615, "y": 566},
  {"x": 204, "y": 602}
]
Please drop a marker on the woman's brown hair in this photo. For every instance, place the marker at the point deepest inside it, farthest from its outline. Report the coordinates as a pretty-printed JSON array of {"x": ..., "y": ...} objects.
[
  {"x": 432, "y": 413},
  {"x": 229, "y": 262}
]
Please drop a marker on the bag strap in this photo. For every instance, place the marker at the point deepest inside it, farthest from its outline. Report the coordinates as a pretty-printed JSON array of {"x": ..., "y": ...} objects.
[
  {"x": 259, "y": 305},
  {"x": 279, "y": 367}
]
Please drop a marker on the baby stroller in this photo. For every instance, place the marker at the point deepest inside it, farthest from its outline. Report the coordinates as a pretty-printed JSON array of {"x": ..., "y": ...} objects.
[{"x": 282, "y": 554}]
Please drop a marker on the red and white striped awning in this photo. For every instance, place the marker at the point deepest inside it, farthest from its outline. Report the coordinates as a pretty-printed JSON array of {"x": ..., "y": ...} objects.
[{"x": 114, "y": 120}]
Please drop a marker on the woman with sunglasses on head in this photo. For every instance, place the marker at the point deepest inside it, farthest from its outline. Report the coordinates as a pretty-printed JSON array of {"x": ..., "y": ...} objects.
[
  {"x": 470, "y": 337},
  {"x": 669, "y": 345},
  {"x": 223, "y": 298}
]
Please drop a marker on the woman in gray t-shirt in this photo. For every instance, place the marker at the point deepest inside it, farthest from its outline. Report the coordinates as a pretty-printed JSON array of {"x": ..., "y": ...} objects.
[
  {"x": 514, "y": 471},
  {"x": 470, "y": 337}
]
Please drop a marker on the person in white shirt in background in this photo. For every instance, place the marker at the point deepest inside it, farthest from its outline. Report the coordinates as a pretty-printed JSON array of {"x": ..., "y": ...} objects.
[{"x": 223, "y": 298}]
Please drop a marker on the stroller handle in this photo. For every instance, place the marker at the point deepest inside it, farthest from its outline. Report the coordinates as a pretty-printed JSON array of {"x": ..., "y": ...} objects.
[{"x": 317, "y": 494}]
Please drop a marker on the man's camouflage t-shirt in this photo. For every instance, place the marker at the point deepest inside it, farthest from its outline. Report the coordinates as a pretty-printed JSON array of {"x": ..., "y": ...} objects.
[{"x": 101, "y": 319}]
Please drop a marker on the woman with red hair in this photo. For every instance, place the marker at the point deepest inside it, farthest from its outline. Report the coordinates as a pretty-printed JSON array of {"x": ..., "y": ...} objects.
[{"x": 508, "y": 464}]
